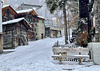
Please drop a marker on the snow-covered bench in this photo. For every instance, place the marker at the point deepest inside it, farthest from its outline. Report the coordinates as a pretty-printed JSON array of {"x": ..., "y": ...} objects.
[{"x": 68, "y": 54}]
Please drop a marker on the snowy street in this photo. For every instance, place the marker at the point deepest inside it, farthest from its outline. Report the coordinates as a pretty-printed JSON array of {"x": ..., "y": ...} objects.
[
  {"x": 37, "y": 57},
  {"x": 34, "y": 57}
]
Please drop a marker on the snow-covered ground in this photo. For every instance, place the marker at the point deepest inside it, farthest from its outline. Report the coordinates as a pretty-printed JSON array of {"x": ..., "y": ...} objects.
[{"x": 37, "y": 57}]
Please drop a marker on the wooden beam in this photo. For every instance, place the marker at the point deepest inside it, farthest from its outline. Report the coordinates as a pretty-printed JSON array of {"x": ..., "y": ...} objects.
[
  {"x": 1, "y": 35},
  {"x": 1, "y": 42}
]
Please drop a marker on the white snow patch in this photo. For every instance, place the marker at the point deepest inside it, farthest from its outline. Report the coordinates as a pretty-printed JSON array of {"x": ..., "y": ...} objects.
[
  {"x": 5, "y": 6},
  {"x": 24, "y": 11},
  {"x": 41, "y": 17}
]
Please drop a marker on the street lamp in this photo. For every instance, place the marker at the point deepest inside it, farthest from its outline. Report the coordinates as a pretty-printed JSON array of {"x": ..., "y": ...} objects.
[{"x": 1, "y": 34}]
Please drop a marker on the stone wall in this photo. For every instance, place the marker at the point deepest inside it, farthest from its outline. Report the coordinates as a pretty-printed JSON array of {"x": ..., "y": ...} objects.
[{"x": 40, "y": 30}]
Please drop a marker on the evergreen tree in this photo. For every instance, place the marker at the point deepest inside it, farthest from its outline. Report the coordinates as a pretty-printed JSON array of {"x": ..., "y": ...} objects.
[{"x": 61, "y": 4}]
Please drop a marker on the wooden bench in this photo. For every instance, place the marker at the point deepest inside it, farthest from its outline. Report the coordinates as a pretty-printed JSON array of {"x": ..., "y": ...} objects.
[
  {"x": 68, "y": 54},
  {"x": 69, "y": 57}
]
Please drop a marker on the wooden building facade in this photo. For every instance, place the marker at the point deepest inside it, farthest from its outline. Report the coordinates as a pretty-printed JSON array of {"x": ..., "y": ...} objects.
[
  {"x": 31, "y": 16},
  {"x": 15, "y": 30},
  {"x": 15, "y": 33},
  {"x": 55, "y": 32},
  {"x": 8, "y": 13}
]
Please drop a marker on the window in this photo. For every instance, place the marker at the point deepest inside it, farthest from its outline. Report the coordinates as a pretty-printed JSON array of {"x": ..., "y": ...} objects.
[
  {"x": 36, "y": 19},
  {"x": 33, "y": 19},
  {"x": 36, "y": 24},
  {"x": 40, "y": 21}
]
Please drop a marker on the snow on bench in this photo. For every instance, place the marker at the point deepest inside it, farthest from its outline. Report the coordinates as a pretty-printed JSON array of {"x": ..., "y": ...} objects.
[
  {"x": 69, "y": 54},
  {"x": 76, "y": 51},
  {"x": 78, "y": 56}
]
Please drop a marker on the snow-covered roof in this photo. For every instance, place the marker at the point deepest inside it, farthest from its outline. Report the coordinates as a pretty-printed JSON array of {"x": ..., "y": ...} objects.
[
  {"x": 27, "y": 11},
  {"x": 34, "y": 8},
  {"x": 13, "y": 21},
  {"x": 24, "y": 11},
  {"x": 5, "y": 6},
  {"x": 41, "y": 17}
]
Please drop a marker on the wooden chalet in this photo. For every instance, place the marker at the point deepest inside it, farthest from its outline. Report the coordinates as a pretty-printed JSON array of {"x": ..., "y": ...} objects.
[
  {"x": 55, "y": 32},
  {"x": 31, "y": 16},
  {"x": 15, "y": 33},
  {"x": 15, "y": 30}
]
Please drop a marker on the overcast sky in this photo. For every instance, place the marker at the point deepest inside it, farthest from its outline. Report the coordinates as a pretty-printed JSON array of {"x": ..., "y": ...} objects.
[{"x": 16, "y": 3}]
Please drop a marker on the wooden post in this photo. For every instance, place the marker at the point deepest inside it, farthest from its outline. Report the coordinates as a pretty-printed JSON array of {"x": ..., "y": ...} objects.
[
  {"x": 1, "y": 42},
  {"x": 60, "y": 60},
  {"x": 80, "y": 59},
  {"x": 1, "y": 34}
]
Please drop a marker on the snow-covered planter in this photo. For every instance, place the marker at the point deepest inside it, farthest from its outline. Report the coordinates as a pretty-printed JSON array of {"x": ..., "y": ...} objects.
[{"x": 94, "y": 48}]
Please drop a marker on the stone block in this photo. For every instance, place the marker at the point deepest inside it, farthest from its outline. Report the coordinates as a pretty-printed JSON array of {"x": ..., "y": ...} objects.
[{"x": 95, "y": 52}]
